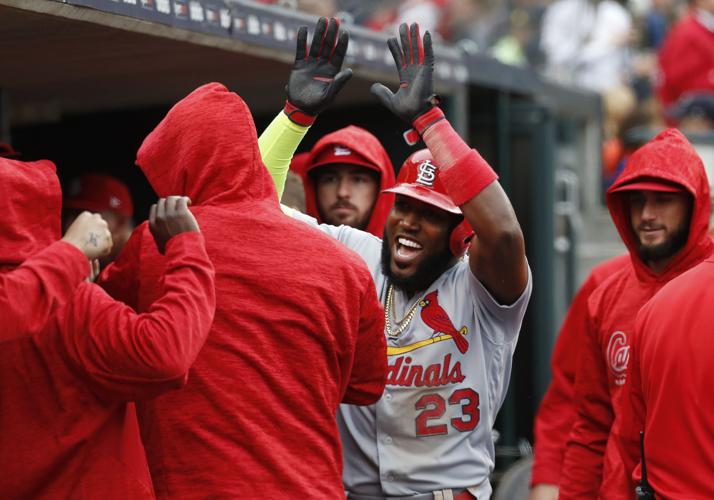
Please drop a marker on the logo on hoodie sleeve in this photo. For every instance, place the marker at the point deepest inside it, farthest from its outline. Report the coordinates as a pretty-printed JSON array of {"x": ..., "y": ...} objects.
[{"x": 618, "y": 352}]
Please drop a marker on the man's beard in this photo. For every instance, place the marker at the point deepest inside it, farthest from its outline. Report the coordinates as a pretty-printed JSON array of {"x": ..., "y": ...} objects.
[
  {"x": 360, "y": 221},
  {"x": 664, "y": 250},
  {"x": 425, "y": 274}
]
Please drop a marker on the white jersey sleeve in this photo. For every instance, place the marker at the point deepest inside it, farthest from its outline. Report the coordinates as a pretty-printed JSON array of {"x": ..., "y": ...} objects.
[{"x": 505, "y": 320}]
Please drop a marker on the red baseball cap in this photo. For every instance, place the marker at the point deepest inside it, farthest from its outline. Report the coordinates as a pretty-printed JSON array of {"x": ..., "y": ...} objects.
[
  {"x": 650, "y": 184},
  {"x": 336, "y": 154},
  {"x": 99, "y": 193},
  {"x": 419, "y": 178}
]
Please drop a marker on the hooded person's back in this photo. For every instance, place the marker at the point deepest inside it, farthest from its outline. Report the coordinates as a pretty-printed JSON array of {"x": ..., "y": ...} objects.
[
  {"x": 37, "y": 271},
  {"x": 371, "y": 155},
  {"x": 67, "y": 429},
  {"x": 613, "y": 306},
  {"x": 298, "y": 327}
]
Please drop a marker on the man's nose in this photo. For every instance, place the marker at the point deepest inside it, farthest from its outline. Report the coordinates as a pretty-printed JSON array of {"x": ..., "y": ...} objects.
[
  {"x": 343, "y": 190},
  {"x": 649, "y": 212},
  {"x": 410, "y": 221}
]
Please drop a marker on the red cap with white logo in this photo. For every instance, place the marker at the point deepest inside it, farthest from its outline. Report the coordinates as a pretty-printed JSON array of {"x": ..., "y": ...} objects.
[
  {"x": 419, "y": 178},
  {"x": 99, "y": 193},
  {"x": 341, "y": 155}
]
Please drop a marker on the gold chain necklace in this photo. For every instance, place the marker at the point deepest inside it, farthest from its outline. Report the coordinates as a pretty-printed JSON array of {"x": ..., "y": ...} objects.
[{"x": 401, "y": 325}]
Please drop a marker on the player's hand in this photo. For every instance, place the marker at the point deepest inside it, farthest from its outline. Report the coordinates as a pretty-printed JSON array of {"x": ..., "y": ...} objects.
[
  {"x": 169, "y": 217},
  {"x": 317, "y": 74},
  {"x": 415, "y": 63},
  {"x": 90, "y": 233},
  {"x": 543, "y": 492}
]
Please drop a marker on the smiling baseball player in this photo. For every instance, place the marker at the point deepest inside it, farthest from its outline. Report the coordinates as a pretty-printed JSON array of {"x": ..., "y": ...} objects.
[{"x": 452, "y": 322}]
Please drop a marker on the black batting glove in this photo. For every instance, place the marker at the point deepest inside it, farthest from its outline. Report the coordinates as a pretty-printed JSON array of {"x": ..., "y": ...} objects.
[
  {"x": 317, "y": 77},
  {"x": 415, "y": 64}
]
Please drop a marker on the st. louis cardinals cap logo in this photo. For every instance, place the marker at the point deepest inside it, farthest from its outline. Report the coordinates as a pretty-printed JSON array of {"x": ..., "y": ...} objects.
[
  {"x": 618, "y": 353},
  {"x": 426, "y": 174}
]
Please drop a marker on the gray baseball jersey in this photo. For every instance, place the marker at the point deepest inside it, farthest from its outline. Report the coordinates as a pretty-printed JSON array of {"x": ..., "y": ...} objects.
[{"x": 432, "y": 428}]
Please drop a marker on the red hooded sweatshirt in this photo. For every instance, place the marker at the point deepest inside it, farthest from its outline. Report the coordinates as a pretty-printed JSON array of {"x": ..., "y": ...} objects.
[
  {"x": 298, "y": 325},
  {"x": 37, "y": 272},
  {"x": 668, "y": 393},
  {"x": 686, "y": 60},
  {"x": 591, "y": 458},
  {"x": 357, "y": 142},
  {"x": 66, "y": 427},
  {"x": 557, "y": 409}
]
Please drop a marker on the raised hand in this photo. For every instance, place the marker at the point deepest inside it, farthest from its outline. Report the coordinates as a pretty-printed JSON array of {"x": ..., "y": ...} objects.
[
  {"x": 317, "y": 74},
  {"x": 90, "y": 233},
  {"x": 415, "y": 63},
  {"x": 169, "y": 217}
]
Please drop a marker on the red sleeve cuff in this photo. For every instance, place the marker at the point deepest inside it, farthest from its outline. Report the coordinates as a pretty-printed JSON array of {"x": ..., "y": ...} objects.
[
  {"x": 73, "y": 259},
  {"x": 422, "y": 123},
  {"x": 298, "y": 116},
  {"x": 467, "y": 177}
]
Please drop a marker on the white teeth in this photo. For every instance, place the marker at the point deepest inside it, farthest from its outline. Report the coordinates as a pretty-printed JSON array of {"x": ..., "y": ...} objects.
[{"x": 409, "y": 243}]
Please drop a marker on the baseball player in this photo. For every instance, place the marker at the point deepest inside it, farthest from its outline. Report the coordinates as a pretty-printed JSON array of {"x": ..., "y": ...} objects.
[
  {"x": 451, "y": 322},
  {"x": 557, "y": 409},
  {"x": 344, "y": 177},
  {"x": 660, "y": 206},
  {"x": 68, "y": 427},
  {"x": 298, "y": 328}
]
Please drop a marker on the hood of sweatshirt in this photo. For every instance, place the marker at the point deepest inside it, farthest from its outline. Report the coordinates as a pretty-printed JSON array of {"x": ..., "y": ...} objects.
[
  {"x": 30, "y": 203},
  {"x": 350, "y": 141},
  {"x": 206, "y": 148},
  {"x": 667, "y": 158}
]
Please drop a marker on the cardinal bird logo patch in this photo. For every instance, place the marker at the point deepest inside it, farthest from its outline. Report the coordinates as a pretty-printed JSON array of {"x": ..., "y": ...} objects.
[{"x": 434, "y": 316}]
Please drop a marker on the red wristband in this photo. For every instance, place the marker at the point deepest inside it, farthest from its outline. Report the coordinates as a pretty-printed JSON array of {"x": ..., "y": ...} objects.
[
  {"x": 422, "y": 122},
  {"x": 298, "y": 116},
  {"x": 467, "y": 177}
]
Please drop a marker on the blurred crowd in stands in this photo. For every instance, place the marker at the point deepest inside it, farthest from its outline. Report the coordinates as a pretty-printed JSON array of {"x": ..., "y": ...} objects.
[{"x": 652, "y": 61}]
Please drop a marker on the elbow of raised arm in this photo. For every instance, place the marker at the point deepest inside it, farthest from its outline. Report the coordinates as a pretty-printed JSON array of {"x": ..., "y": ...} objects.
[
  {"x": 365, "y": 394},
  {"x": 510, "y": 240},
  {"x": 169, "y": 352},
  {"x": 171, "y": 369},
  {"x": 168, "y": 366}
]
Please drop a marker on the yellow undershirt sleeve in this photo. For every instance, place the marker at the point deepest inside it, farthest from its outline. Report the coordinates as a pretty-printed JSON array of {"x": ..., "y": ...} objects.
[{"x": 277, "y": 146}]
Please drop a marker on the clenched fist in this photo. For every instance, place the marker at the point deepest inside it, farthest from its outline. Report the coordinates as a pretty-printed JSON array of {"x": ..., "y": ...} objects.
[
  {"x": 90, "y": 233},
  {"x": 169, "y": 217}
]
